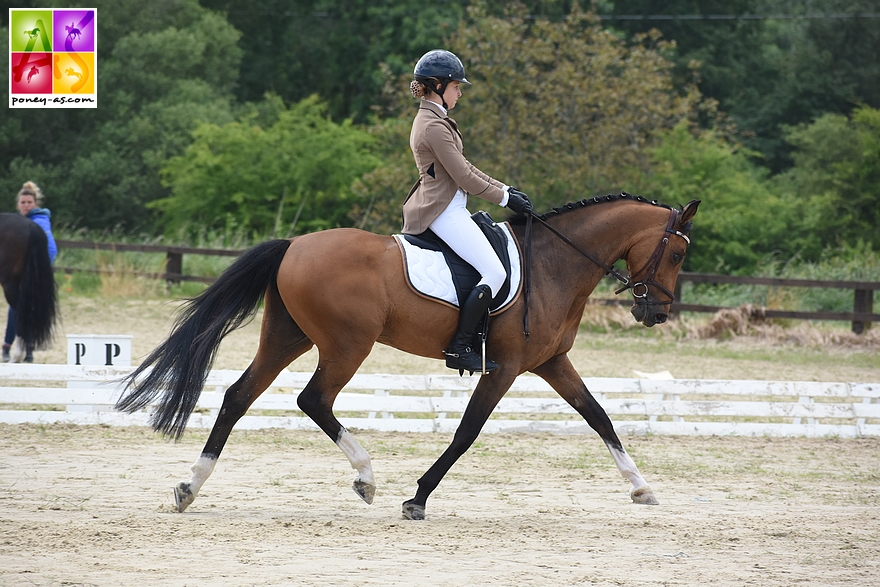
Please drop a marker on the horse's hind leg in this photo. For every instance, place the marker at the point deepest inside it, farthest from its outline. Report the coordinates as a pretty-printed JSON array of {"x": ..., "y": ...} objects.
[
  {"x": 281, "y": 341},
  {"x": 562, "y": 376},
  {"x": 486, "y": 396}
]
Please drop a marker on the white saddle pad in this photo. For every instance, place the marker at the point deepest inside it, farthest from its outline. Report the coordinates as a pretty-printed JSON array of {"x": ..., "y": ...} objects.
[{"x": 430, "y": 276}]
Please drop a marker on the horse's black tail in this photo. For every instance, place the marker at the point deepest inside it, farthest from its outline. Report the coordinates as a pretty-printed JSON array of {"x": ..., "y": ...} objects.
[
  {"x": 36, "y": 309},
  {"x": 180, "y": 365}
]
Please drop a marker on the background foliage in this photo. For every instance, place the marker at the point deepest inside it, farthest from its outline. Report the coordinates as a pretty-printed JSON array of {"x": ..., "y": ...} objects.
[
  {"x": 266, "y": 179},
  {"x": 278, "y": 117}
]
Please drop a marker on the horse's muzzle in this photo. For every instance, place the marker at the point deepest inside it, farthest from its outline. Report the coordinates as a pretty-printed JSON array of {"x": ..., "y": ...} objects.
[{"x": 648, "y": 315}]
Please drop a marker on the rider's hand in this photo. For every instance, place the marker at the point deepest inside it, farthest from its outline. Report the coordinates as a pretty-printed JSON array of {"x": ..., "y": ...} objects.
[{"x": 518, "y": 201}]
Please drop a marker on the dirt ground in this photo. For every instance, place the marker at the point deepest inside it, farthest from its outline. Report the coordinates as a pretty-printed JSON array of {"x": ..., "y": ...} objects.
[{"x": 93, "y": 506}]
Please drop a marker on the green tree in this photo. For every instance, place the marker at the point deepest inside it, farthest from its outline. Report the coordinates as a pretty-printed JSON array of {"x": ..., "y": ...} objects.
[
  {"x": 380, "y": 193},
  {"x": 292, "y": 176},
  {"x": 336, "y": 48},
  {"x": 164, "y": 66},
  {"x": 769, "y": 72},
  {"x": 295, "y": 48},
  {"x": 836, "y": 178},
  {"x": 826, "y": 203},
  {"x": 563, "y": 109},
  {"x": 741, "y": 219}
]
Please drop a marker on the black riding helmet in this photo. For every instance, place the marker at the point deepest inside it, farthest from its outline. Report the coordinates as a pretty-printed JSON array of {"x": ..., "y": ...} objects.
[{"x": 439, "y": 67}]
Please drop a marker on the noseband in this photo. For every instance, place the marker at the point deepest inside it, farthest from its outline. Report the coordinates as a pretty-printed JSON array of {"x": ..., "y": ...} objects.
[{"x": 639, "y": 288}]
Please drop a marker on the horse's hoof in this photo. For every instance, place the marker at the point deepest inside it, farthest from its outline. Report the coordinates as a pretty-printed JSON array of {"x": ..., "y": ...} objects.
[
  {"x": 413, "y": 511},
  {"x": 183, "y": 496},
  {"x": 644, "y": 495},
  {"x": 366, "y": 491}
]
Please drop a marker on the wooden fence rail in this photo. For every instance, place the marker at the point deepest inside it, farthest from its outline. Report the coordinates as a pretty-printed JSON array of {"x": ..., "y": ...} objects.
[
  {"x": 434, "y": 403},
  {"x": 173, "y": 255},
  {"x": 861, "y": 317},
  {"x": 863, "y": 297}
]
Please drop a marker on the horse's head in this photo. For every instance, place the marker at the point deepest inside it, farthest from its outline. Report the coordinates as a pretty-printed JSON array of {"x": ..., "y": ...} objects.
[{"x": 654, "y": 261}]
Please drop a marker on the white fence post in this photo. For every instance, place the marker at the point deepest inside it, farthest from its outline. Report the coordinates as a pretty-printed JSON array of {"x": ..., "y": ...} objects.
[{"x": 381, "y": 393}]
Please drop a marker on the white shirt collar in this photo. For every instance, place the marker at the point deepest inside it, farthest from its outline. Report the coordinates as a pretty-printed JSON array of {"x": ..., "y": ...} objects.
[{"x": 440, "y": 106}]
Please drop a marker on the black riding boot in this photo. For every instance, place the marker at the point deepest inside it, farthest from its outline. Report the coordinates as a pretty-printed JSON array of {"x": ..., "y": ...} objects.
[{"x": 461, "y": 353}]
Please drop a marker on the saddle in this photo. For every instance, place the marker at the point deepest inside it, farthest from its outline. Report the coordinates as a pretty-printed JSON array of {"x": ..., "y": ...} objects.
[{"x": 435, "y": 271}]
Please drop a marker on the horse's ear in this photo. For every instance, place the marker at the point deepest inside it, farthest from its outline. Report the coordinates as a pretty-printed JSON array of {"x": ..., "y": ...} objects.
[{"x": 688, "y": 212}]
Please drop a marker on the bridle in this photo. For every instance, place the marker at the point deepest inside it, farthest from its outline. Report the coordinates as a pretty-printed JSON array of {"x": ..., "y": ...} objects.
[
  {"x": 639, "y": 288},
  {"x": 651, "y": 266}
]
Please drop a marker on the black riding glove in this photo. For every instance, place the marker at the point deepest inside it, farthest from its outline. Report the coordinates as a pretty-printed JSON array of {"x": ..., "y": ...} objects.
[{"x": 518, "y": 201}]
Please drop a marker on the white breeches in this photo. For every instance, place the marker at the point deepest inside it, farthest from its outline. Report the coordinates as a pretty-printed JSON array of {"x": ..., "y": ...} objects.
[{"x": 455, "y": 227}]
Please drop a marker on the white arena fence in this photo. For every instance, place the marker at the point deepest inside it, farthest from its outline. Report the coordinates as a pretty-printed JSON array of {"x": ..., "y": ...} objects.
[{"x": 48, "y": 394}]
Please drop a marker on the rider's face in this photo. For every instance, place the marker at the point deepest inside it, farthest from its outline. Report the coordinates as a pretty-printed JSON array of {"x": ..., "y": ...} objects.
[{"x": 452, "y": 94}]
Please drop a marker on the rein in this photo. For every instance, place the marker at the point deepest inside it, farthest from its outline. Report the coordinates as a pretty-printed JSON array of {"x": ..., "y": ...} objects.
[{"x": 650, "y": 267}]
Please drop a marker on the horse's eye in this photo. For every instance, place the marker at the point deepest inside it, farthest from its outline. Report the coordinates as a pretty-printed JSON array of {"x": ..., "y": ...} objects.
[{"x": 677, "y": 258}]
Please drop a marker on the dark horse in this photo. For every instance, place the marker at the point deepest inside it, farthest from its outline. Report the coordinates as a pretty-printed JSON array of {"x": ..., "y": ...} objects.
[
  {"x": 343, "y": 290},
  {"x": 27, "y": 279}
]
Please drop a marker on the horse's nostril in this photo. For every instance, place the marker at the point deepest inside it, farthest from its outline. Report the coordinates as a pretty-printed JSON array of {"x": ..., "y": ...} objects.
[{"x": 661, "y": 318}]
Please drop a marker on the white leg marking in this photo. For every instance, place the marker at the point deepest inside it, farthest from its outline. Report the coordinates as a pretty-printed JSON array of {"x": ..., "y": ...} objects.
[
  {"x": 627, "y": 467},
  {"x": 201, "y": 470},
  {"x": 18, "y": 351},
  {"x": 357, "y": 456}
]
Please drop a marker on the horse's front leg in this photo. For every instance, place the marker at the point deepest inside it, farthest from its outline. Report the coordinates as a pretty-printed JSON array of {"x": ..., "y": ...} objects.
[
  {"x": 487, "y": 394},
  {"x": 562, "y": 376}
]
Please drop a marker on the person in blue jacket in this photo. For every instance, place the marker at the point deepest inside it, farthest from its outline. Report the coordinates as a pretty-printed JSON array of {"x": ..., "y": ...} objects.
[{"x": 28, "y": 201}]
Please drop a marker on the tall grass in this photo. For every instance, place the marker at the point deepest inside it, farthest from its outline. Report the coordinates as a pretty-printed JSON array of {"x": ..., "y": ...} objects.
[{"x": 111, "y": 273}]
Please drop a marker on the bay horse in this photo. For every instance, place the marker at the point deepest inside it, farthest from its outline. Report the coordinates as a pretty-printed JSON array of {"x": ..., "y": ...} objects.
[
  {"x": 27, "y": 279},
  {"x": 342, "y": 290}
]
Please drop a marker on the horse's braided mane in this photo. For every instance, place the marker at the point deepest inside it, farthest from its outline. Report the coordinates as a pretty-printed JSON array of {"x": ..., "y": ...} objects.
[{"x": 518, "y": 219}]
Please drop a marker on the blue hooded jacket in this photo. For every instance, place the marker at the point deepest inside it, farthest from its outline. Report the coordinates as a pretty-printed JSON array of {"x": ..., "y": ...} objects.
[{"x": 42, "y": 216}]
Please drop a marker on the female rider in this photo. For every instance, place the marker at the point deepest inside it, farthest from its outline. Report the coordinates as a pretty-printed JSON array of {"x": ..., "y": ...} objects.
[{"x": 438, "y": 200}]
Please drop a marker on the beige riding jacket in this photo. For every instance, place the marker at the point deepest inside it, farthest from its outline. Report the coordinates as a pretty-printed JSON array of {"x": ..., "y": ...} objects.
[{"x": 437, "y": 148}]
